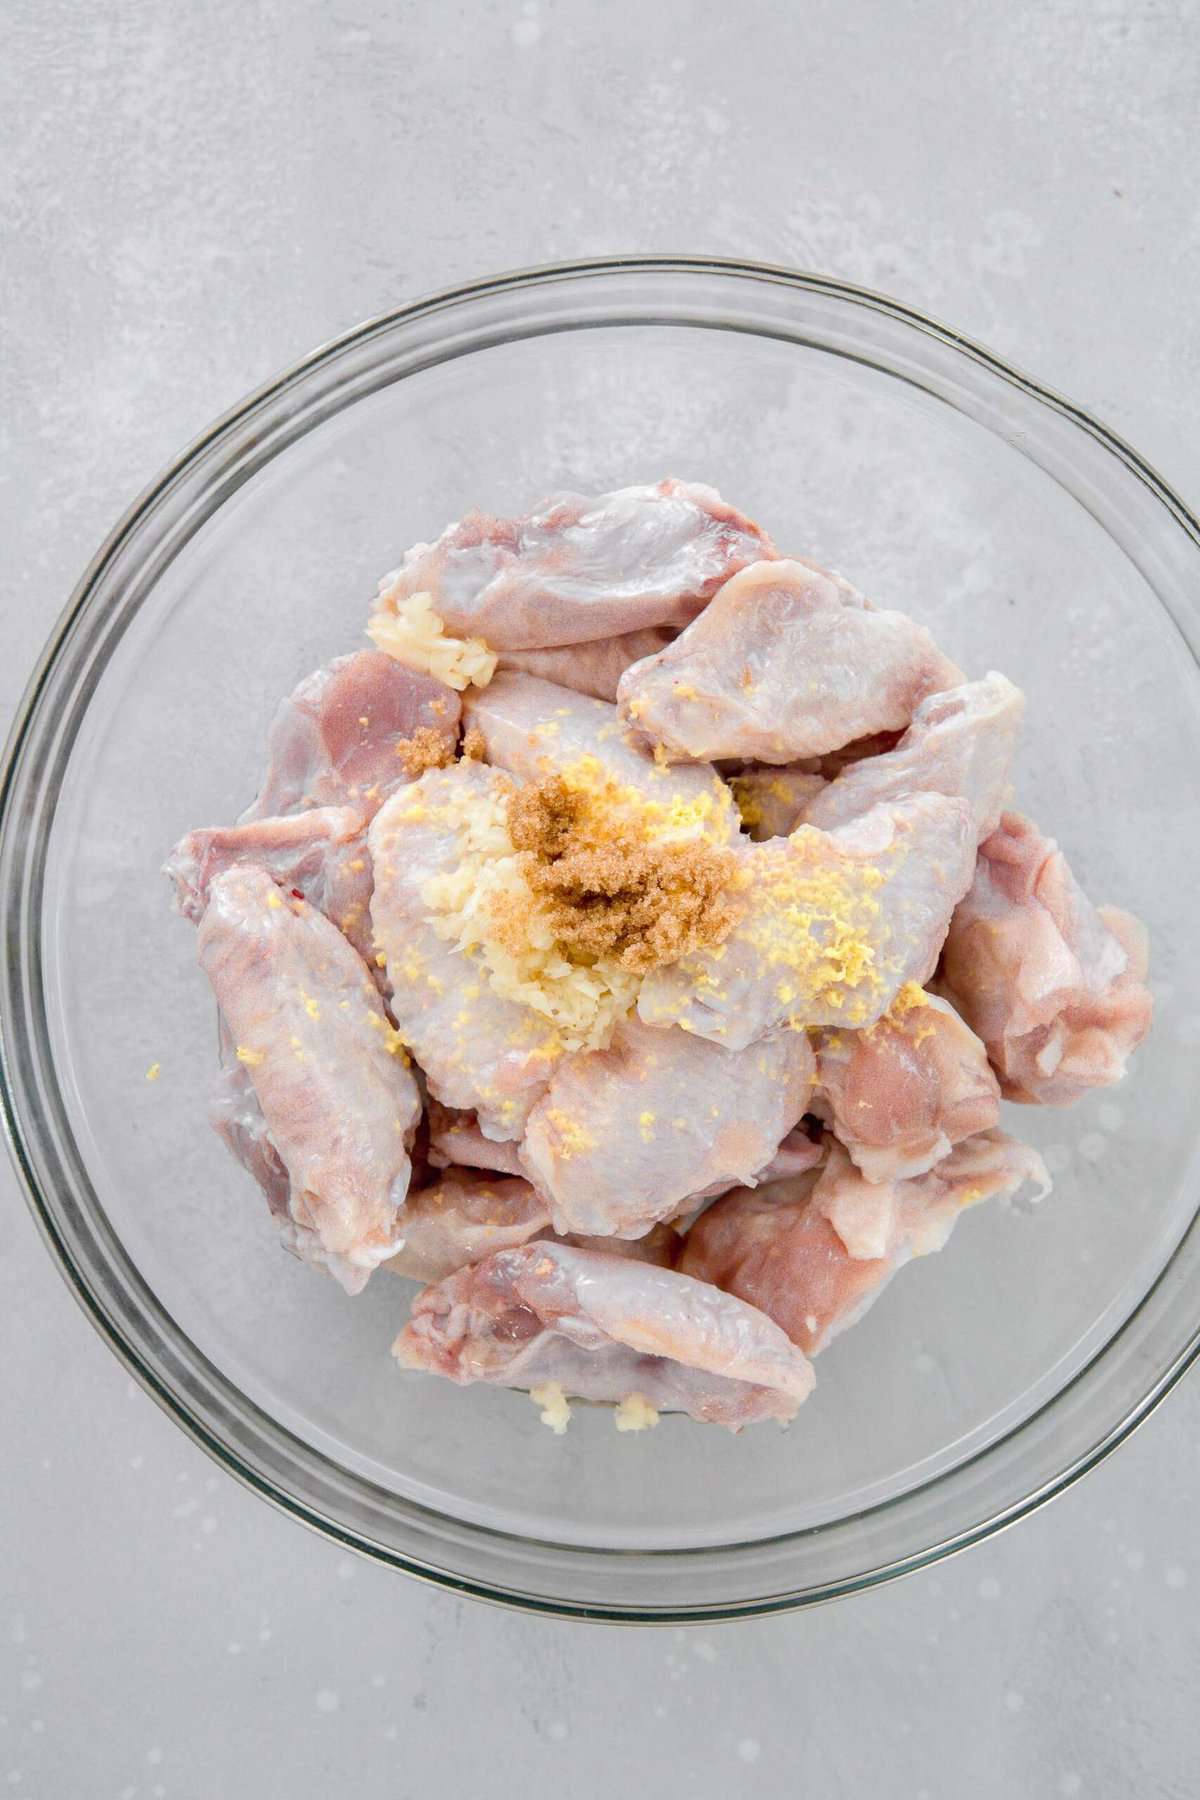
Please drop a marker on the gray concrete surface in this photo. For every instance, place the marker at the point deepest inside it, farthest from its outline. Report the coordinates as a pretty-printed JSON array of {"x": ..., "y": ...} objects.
[{"x": 195, "y": 193}]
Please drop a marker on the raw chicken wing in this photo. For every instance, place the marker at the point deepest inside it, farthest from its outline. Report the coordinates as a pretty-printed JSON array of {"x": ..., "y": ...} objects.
[
  {"x": 960, "y": 743},
  {"x": 779, "y": 667},
  {"x": 323, "y": 853},
  {"x": 626, "y": 1134},
  {"x": 659, "y": 1246},
  {"x": 784, "y": 1248},
  {"x": 795, "y": 1156},
  {"x": 455, "y": 1137},
  {"x": 480, "y": 1051},
  {"x": 579, "y": 570},
  {"x": 590, "y": 668},
  {"x": 902, "y": 1094},
  {"x": 606, "y": 1328},
  {"x": 463, "y": 1217},
  {"x": 237, "y": 1118},
  {"x": 334, "y": 741},
  {"x": 835, "y": 923},
  {"x": 1054, "y": 986},
  {"x": 339, "y": 1108}
]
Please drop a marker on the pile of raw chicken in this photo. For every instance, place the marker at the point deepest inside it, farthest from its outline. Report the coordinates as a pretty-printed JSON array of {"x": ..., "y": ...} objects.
[{"x": 635, "y": 948}]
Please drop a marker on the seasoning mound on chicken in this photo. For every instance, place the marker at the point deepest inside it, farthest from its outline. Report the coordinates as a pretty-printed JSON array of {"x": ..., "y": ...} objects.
[{"x": 634, "y": 947}]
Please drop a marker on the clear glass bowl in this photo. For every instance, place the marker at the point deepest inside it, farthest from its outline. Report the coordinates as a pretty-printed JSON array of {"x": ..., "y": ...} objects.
[{"x": 859, "y": 432}]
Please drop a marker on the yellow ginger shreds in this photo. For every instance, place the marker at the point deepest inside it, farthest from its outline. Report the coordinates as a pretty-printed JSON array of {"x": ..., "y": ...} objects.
[
  {"x": 910, "y": 999},
  {"x": 816, "y": 923},
  {"x": 251, "y": 1057},
  {"x": 393, "y": 1042},
  {"x": 749, "y": 802},
  {"x": 573, "y": 1138},
  {"x": 911, "y": 995},
  {"x": 414, "y": 634},
  {"x": 616, "y": 807},
  {"x": 755, "y": 790},
  {"x": 153, "y": 1072},
  {"x": 913, "y": 998}
]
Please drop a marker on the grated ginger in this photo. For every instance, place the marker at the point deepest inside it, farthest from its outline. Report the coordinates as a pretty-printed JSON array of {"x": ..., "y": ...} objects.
[
  {"x": 410, "y": 631},
  {"x": 911, "y": 995},
  {"x": 816, "y": 923},
  {"x": 616, "y": 809}
]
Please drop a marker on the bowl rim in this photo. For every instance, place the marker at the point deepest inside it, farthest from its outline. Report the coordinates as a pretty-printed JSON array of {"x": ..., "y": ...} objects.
[{"x": 184, "y": 1413}]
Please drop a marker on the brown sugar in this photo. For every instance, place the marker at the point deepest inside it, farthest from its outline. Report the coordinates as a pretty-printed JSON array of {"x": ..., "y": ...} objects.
[
  {"x": 425, "y": 749},
  {"x": 474, "y": 745},
  {"x": 619, "y": 895}
]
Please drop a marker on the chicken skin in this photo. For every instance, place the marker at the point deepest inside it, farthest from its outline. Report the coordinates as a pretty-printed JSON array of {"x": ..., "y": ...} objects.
[
  {"x": 605, "y": 1327},
  {"x": 833, "y": 925},
  {"x": 779, "y": 667},
  {"x": 625, "y": 1135},
  {"x": 815, "y": 1252},
  {"x": 1054, "y": 986},
  {"x": 339, "y": 1106},
  {"x": 579, "y": 570}
]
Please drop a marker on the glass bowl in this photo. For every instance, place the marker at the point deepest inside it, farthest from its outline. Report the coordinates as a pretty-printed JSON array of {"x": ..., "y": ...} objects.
[{"x": 941, "y": 481}]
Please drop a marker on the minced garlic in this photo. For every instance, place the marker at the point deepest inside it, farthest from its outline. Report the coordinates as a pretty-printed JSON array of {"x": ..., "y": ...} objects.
[
  {"x": 414, "y": 634},
  {"x": 635, "y": 1413},
  {"x": 479, "y": 904},
  {"x": 555, "y": 1407}
]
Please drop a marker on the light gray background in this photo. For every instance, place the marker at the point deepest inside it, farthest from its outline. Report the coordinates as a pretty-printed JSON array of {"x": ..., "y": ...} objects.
[{"x": 194, "y": 194}]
